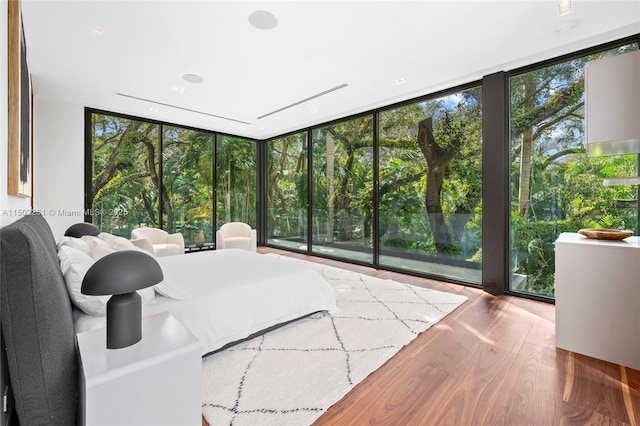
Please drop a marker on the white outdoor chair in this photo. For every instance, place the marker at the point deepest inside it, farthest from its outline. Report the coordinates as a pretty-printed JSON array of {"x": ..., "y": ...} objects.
[
  {"x": 158, "y": 241},
  {"x": 236, "y": 235}
]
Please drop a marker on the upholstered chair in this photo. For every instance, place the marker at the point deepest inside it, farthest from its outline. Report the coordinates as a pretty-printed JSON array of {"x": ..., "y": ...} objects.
[
  {"x": 236, "y": 235},
  {"x": 158, "y": 241}
]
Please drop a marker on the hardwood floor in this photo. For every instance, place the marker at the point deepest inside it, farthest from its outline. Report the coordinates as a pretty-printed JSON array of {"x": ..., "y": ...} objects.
[{"x": 493, "y": 361}]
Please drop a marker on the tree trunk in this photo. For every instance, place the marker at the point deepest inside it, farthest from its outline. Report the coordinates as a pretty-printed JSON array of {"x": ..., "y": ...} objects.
[
  {"x": 441, "y": 236},
  {"x": 278, "y": 171},
  {"x": 526, "y": 147},
  {"x": 114, "y": 165},
  {"x": 330, "y": 156},
  {"x": 155, "y": 179},
  {"x": 344, "y": 200},
  {"x": 438, "y": 159}
]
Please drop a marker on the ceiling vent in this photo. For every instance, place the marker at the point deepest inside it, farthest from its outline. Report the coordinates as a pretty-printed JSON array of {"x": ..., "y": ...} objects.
[
  {"x": 184, "y": 109},
  {"x": 317, "y": 95}
]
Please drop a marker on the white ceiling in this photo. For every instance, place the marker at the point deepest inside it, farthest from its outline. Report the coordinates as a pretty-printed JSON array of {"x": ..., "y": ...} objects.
[{"x": 147, "y": 46}]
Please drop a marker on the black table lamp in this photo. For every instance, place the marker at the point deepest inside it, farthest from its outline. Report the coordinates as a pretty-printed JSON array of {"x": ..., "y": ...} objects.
[
  {"x": 80, "y": 229},
  {"x": 120, "y": 274}
]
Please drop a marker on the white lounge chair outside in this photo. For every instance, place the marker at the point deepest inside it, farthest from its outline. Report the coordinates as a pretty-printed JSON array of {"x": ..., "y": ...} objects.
[
  {"x": 236, "y": 235},
  {"x": 158, "y": 241}
]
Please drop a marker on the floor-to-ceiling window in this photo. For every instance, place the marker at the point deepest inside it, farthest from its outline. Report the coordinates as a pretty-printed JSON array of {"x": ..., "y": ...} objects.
[
  {"x": 125, "y": 173},
  {"x": 235, "y": 180},
  {"x": 145, "y": 173},
  {"x": 399, "y": 187},
  {"x": 430, "y": 213},
  {"x": 286, "y": 183},
  {"x": 555, "y": 187},
  {"x": 187, "y": 162},
  {"x": 342, "y": 189}
]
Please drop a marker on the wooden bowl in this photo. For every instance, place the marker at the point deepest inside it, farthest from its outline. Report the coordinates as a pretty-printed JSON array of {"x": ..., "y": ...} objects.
[{"x": 605, "y": 234}]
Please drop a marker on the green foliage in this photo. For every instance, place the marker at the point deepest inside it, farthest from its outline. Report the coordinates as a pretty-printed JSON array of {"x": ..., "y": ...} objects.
[
  {"x": 403, "y": 176},
  {"x": 342, "y": 170},
  {"x": 430, "y": 188},
  {"x": 127, "y": 178},
  {"x": 236, "y": 174},
  {"x": 123, "y": 188},
  {"x": 188, "y": 177},
  {"x": 565, "y": 186},
  {"x": 287, "y": 200}
]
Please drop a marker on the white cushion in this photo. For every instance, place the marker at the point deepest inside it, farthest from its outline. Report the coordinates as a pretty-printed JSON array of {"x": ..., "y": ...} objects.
[
  {"x": 121, "y": 243},
  {"x": 163, "y": 243},
  {"x": 237, "y": 242},
  {"x": 236, "y": 235},
  {"x": 168, "y": 249},
  {"x": 99, "y": 252},
  {"x": 75, "y": 243},
  {"x": 235, "y": 229},
  {"x": 74, "y": 264},
  {"x": 94, "y": 242},
  {"x": 155, "y": 235},
  {"x": 144, "y": 244},
  {"x": 106, "y": 236},
  {"x": 105, "y": 244},
  {"x": 116, "y": 242}
]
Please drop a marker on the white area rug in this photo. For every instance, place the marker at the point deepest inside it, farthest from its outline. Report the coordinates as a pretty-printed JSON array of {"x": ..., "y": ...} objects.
[{"x": 292, "y": 375}]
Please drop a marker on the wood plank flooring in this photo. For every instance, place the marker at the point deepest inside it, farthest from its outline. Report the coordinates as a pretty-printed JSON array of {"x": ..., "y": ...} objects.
[{"x": 493, "y": 361}]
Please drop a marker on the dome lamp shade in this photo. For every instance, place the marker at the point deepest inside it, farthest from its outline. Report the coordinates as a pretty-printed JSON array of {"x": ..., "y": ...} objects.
[
  {"x": 120, "y": 274},
  {"x": 80, "y": 229}
]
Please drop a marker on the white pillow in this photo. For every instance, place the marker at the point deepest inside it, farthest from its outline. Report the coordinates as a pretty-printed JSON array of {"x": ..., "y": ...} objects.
[
  {"x": 99, "y": 252},
  {"x": 74, "y": 264},
  {"x": 108, "y": 242},
  {"x": 106, "y": 236},
  {"x": 94, "y": 242},
  {"x": 114, "y": 243},
  {"x": 121, "y": 243},
  {"x": 75, "y": 243}
]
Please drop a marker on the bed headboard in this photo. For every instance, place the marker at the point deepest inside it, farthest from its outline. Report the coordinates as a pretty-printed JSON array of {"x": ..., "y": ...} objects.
[{"x": 37, "y": 325}]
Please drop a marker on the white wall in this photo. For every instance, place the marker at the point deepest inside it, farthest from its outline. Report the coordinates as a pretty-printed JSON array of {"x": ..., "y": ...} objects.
[
  {"x": 58, "y": 154},
  {"x": 11, "y": 207},
  {"x": 58, "y": 163}
]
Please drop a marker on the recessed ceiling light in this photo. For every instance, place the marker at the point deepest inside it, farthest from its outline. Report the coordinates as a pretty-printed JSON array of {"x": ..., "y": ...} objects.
[
  {"x": 98, "y": 30},
  {"x": 154, "y": 109},
  {"x": 399, "y": 81},
  {"x": 565, "y": 7},
  {"x": 192, "y": 78},
  {"x": 263, "y": 20},
  {"x": 313, "y": 110},
  {"x": 179, "y": 89},
  {"x": 240, "y": 128}
]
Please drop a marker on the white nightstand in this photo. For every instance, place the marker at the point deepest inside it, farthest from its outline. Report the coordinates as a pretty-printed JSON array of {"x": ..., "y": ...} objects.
[
  {"x": 598, "y": 298},
  {"x": 157, "y": 381}
]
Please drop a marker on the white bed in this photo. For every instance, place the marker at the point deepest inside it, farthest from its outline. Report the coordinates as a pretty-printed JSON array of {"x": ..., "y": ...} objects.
[{"x": 231, "y": 294}]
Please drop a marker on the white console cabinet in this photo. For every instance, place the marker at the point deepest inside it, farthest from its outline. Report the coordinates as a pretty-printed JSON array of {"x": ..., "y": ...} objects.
[
  {"x": 597, "y": 291},
  {"x": 155, "y": 382}
]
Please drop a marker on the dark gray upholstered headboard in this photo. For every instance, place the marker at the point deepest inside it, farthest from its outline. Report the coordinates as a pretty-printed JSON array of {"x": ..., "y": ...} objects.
[{"x": 37, "y": 325}]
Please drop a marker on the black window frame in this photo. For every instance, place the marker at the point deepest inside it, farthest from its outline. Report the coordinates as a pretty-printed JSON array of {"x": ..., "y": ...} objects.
[{"x": 495, "y": 171}]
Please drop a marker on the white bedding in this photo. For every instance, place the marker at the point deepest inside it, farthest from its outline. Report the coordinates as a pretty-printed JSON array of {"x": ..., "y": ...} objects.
[{"x": 232, "y": 294}]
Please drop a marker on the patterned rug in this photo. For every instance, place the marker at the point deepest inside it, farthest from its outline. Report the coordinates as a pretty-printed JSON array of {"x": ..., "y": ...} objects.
[{"x": 291, "y": 375}]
